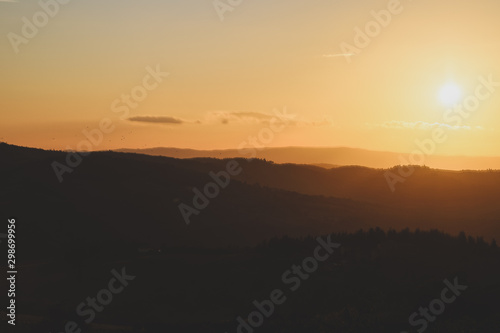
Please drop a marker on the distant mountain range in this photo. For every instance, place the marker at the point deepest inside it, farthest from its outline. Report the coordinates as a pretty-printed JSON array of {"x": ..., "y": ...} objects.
[{"x": 330, "y": 157}]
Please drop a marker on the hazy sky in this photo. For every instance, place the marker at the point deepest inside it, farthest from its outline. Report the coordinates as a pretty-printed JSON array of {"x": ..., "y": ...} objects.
[{"x": 226, "y": 77}]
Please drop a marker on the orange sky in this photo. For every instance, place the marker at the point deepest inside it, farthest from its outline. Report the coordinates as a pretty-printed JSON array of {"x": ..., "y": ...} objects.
[{"x": 226, "y": 77}]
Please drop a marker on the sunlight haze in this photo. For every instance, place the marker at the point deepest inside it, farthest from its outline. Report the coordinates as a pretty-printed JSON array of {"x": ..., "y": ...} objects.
[{"x": 263, "y": 56}]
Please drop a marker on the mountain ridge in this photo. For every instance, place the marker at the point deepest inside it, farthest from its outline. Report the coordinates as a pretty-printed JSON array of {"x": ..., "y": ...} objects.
[
  {"x": 264, "y": 201},
  {"x": 325, "y": 156}
]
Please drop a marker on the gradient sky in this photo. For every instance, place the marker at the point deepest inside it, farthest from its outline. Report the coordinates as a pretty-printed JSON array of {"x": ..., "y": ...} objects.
[{"x": 227, "y": 77}]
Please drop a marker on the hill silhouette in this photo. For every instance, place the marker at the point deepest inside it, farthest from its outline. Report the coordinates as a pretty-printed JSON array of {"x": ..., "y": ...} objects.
[
  {"x": 263, "y": 201},
  {"x": 328, "y": 157},
  {"x": 122, "y": 209}
]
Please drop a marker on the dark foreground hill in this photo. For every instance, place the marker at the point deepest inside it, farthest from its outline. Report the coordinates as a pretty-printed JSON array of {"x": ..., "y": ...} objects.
[
  {"x": 122, "y": 197},
  {"x": 120, "y": 211},
  {"x": 373, "y": 282},
  {"x": 117, "y": 197},
  {"x": 448, "y": 200}
]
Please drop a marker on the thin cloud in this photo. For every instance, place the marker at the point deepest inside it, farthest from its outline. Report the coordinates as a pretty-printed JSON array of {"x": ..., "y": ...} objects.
[
  {"x": 421, "y": 125},
  {"x": 157, "y": 120},
  {"x": 226, "y": 117},
  {"x": 324, "y": 122},
  {"x": 336, "y": 55},
  {"x": 238, "y": 117}
]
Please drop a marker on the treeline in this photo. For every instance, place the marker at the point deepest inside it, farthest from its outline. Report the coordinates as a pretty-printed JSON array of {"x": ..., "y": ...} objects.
[{"x": 372, "y": 283}]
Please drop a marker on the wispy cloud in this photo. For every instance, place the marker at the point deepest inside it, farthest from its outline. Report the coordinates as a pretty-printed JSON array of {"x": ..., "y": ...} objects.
[
  {"x": 336, "y": 55},
  {"x": 226, "y": 117},
  {"x": 235, "y": 117},
  {"x": 157, "y": 120},
  {"x": 420, "y": 125},
  {"x": 323, "y": 122}
]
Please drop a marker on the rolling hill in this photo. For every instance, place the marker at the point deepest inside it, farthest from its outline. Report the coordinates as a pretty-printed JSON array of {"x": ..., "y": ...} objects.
[
  {"x": 329, "y": 157},
  {"x": 127, "y": 197}
]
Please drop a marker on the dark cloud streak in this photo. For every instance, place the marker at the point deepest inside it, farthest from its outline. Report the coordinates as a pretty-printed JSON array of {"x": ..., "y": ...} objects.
[{"x": 157, "y": 120}]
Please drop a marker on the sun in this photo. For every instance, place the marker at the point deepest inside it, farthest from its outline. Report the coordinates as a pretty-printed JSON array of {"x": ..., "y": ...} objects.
[{"x": 450, "y": 94}]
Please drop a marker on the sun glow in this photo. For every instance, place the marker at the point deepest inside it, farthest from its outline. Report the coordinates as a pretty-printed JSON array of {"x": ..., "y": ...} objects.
[{"x": 450, "y": 94}]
